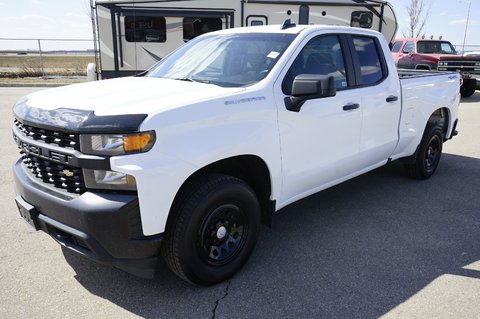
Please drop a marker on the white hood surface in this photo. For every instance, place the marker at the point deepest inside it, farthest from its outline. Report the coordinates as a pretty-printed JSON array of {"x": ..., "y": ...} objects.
[{"x": 130, "y": 95}]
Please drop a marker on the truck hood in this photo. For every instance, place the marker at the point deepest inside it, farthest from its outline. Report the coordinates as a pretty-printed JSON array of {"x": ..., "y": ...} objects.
[
  {"x": 130, "y": 95},
  {"x": 449, "y": 57}
]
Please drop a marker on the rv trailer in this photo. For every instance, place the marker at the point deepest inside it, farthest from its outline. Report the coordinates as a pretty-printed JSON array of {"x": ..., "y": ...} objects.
[{"x": 135, "y": 34}]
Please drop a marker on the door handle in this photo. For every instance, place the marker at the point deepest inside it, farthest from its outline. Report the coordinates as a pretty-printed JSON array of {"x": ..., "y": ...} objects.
[
  {"x": 392, "y": 98},
  {"x": 351, "y": 106}
]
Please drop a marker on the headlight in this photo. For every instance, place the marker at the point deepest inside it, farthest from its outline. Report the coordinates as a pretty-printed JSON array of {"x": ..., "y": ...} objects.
[
  {"x": 101, "y": 179},
  {"x": 116, "y": 144}
]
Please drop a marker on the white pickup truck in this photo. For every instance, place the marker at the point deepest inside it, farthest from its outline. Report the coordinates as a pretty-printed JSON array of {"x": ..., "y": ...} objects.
[{"x": 187, "y": 160}]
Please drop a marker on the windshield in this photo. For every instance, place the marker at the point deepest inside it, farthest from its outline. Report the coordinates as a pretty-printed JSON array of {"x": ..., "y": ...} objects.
[
  {"x": 436, "y": 47},
  {"x": 224, "y": 59}
]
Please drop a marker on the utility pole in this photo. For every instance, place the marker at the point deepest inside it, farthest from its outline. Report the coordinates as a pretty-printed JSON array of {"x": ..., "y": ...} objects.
[
  {"x": 466, "y": 26},
  {"x": 41, "y": 57}
]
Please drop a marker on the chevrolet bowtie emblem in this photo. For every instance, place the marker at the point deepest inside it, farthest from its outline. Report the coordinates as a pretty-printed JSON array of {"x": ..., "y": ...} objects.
[{"x": 67, "y": 173}]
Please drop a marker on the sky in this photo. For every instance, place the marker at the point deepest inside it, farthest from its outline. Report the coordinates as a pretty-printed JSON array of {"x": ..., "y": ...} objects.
[
  {"x": 448, "y": 19},
  {"x": 70, "y": 19}
]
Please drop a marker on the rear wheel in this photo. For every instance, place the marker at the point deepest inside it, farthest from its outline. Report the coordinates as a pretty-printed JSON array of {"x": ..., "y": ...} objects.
[
  {"x": 468, "y": 87},
  {"x": 212, "y": 230},
  {"x": 428, "y": 153}
]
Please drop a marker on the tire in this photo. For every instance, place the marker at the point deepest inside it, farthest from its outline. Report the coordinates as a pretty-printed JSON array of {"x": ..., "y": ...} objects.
[
  {"x": 212, "y": 229},
  {"x": 428, "y": 154},
  {"x": 468, "y": 88}
]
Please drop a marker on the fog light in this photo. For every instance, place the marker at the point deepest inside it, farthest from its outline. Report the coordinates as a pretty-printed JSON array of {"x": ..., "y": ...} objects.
[{"x": 109, "y": 180}]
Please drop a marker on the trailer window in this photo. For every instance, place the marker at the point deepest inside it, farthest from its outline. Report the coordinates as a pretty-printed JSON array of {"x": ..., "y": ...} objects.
[
  {"x": 145, "y": 29},
  {"x": 361, "y": 19},
  {"x": 193, "y": 27}
]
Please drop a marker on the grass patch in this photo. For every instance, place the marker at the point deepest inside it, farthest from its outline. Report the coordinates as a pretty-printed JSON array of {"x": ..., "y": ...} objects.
[{"x": 13, "y": 66}]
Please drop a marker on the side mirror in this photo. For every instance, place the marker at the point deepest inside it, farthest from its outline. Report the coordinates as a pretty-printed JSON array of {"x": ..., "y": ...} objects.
[{"x": 307, "y": 87}]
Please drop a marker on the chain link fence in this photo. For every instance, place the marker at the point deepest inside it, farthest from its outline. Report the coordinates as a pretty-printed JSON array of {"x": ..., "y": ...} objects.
[
  {"x": 460, "y": 48},
  {"x": 46, "y": 57}
]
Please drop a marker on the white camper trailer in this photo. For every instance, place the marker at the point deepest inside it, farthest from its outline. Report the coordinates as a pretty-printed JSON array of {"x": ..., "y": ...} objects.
[{"x": 134, "y": 34}]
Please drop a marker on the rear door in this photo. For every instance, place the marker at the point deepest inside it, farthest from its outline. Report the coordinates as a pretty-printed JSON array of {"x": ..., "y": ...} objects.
[
  {"x": 331, "y": 139},
  {"x": 380, "y": 102}
]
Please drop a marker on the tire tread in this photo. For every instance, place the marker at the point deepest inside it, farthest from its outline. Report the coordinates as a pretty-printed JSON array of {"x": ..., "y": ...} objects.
[{"x": 183, "y": 205}]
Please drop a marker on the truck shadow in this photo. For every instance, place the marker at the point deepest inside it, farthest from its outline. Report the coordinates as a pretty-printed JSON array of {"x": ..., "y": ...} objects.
[
  {"x": 357, "y": 250},
  {"x": 475, "y": 98}
]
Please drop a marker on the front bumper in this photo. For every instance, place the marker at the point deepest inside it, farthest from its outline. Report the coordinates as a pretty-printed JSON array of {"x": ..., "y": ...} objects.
[{"x": 104, "y": 227}]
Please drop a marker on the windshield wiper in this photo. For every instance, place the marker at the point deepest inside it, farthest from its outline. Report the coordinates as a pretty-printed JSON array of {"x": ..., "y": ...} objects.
[{"x": 190, "y": 79}]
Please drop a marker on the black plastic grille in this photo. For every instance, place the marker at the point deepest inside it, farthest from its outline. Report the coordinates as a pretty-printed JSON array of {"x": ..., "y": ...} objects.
[
  {"x": 61, "y": 176},
  {"x": 459, "y": 63},
  {"x": 63, "y": 139}
]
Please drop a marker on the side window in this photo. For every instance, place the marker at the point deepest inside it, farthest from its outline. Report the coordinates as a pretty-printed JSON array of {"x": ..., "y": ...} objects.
[
  {"x": 361, "y": 19},
  {"x": 256, "y": 20},
  {"x": 193, "y": 27},
  {"x": 369, "y": 59},
  {"x": 323, "y": 56},
  {"x": 396, "y": 46},
  {"x": 408, "y": 48},
  {"x": 145, "y": 29}
]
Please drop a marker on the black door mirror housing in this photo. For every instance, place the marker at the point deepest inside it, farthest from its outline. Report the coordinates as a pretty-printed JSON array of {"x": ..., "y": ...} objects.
[{"x": 307, "y": 87}]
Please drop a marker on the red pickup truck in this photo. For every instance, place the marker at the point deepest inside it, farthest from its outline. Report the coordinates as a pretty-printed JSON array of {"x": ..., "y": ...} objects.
[{"x": 439, "y": 55}]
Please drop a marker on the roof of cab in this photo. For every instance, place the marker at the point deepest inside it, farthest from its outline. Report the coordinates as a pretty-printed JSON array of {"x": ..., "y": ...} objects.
[{"x": 277, "y": 28}]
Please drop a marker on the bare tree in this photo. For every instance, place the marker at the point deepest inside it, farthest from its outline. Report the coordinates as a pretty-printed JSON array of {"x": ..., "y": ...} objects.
[{"x": 418, "y": 12}]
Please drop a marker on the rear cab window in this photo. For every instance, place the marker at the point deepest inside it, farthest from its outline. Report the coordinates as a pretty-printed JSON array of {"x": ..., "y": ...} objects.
[{"x": 371, "y": 62}]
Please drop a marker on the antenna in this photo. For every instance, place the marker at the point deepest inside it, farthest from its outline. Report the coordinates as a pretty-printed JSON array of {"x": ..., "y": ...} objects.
[{"x": 288, "y": 24}]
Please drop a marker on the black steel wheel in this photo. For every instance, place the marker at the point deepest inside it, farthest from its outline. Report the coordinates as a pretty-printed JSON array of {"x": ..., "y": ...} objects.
[
  {"x": 212, "y": 229},
  {"x": 428, "y": 153},
  {"x": 432, "y": 153},
  {"x": 223, "y": 234}
]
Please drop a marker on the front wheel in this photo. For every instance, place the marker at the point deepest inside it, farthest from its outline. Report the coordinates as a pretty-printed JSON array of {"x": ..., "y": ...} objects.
[
  {"x": 428, "y": 153},
  {"x": 212, "y": 230}
]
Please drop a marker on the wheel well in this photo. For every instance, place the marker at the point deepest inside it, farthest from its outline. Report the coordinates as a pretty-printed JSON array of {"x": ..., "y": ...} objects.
[
  {"x": 252, "y": 170},
  {"x": 441, "y": 118},
  {"x": 422, "y": 67}
]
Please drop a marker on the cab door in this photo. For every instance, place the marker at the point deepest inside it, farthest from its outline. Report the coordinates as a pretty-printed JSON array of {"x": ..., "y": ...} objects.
[
  {"x": 321, "y": 142},
  {"x": 381, "y": 104}
]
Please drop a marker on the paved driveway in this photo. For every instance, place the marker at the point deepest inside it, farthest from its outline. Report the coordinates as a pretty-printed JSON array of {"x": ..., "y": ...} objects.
[{"x": 379, "y": 245}]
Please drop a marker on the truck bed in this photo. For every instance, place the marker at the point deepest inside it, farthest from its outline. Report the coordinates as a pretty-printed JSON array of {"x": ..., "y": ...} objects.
[{"x": 406, "y": 73}]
